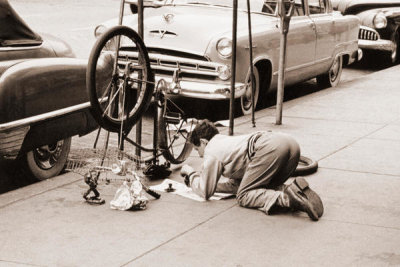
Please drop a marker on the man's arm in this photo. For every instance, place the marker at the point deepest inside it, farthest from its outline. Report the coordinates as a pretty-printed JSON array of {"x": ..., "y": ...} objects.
[
  {"x": 229, "y": 186},
  {"x": 204, "y": 183}
]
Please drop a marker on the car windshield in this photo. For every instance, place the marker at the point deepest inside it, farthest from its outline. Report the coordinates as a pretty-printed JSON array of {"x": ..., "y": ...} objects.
[
  {"x": 255, "y": 5},
  {"x": 14, "y": 31}
]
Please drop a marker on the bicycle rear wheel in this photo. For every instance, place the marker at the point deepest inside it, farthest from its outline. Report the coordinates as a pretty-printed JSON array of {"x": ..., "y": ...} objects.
[
  {"x": 172, "y": 133},
  {"x": 119, "y": 79}
]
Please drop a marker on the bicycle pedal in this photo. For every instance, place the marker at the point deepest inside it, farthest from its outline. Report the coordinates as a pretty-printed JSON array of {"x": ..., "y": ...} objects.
[{"x": 173, "y": 117}]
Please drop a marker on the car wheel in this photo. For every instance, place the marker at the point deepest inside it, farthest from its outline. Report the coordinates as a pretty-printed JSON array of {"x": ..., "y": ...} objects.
[
  {"x": 332, "y": 77},
  {"x": 47, "y": 161},
  {"x": 245, "y": 100},
  {"x": 394, "y": 55}
]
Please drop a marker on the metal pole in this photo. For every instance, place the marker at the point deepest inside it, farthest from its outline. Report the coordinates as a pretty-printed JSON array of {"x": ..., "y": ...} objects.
[
  {"x": 252, "y": 82},
  {"x": 233, "y": 78},
  {"x": 285, "y": 16},
  {"x": 281, "y": 75},
  {"x": 140, "y": 32},
  {"x": 121, "y": 12}
]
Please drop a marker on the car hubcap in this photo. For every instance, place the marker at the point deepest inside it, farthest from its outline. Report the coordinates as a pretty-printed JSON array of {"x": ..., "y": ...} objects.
[
  {"x": 47, "y": 156},
  {"x": 394, "y": 53},
  {"x": 333, "y": 73},
  {"x": 247, "y": 97}
]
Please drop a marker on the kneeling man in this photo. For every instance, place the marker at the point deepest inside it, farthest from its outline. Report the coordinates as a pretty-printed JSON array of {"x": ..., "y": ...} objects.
[{"x": 257, "y": 166}]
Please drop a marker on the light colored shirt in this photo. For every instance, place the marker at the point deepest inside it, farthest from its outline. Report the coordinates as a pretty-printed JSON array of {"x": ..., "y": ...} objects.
[{"x": 223, "y": 156}]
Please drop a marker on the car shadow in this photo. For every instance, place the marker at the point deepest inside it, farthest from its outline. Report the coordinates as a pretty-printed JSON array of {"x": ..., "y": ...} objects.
[{"x": 12, "y": 177}]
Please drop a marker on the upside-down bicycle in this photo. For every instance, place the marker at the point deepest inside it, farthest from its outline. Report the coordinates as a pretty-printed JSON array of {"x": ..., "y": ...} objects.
[{"x": 121, "y": 86}]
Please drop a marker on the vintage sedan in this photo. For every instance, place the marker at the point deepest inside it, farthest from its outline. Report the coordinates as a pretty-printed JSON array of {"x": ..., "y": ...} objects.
[
  {"x": 43, "y": 100},
  {"x": 380, "y": 21},
  {"x": 189, "y": 44}
]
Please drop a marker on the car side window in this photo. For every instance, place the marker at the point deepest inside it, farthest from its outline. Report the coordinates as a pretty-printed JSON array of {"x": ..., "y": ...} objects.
[
  {"x": 271, "y": 5},
  {"x": 298, "y": 8},
  {"x": 316, "y": 6}
]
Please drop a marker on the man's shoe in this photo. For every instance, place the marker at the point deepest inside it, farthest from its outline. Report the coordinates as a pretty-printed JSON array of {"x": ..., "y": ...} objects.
[
  {"x": 311, "y": 195},
  {"x": 299, "y": 201}
]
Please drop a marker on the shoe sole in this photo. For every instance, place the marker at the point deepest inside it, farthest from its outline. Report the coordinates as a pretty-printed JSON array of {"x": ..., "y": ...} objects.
[{"x": 311, "y": 195}]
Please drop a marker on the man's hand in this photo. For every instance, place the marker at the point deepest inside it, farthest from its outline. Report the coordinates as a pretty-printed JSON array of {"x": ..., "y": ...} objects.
[{"x": 186, "y": 170}]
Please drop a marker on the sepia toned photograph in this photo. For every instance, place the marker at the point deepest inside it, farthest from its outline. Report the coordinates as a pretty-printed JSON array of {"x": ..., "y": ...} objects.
[{"x": 199, "y": 133}]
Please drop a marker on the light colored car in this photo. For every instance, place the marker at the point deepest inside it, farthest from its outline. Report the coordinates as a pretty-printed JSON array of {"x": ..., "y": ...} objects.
[
  {"x": 189, "y": 44},
  {"x": 380, "y": 21},
  {"x": 43, "y": 100}
]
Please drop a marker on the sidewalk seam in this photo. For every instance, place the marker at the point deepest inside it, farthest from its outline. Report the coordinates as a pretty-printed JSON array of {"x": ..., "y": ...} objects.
[
  {"x": 178, "y": 235},
  {"x": 346, "y": 170},
  {"x": 353, "y": 142}
]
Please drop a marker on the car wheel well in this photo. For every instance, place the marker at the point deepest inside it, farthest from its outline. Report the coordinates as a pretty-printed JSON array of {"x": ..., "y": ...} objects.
[
  {"x": 345, "y": 58},
  {"x": 264, "y": 68}
]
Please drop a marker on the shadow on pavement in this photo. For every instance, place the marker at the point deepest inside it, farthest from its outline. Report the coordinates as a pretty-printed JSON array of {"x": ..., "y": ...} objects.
[{"x": 11, "y": 177}]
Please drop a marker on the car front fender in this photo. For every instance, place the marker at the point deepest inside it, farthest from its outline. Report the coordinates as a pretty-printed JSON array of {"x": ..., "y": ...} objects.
[{"x": 40, "y": 86}]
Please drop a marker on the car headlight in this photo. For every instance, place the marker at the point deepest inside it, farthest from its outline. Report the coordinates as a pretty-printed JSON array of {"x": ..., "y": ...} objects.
[
  {"x": 99, "y": 30},
  {"x": 380, "y": 20},
  {"x": 224, "y": 72},
  {"x": 224, "y": 47}
]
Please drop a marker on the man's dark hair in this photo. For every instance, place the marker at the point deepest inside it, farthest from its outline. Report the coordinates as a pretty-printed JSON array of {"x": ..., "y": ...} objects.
[{"x": 205, "y": 129}]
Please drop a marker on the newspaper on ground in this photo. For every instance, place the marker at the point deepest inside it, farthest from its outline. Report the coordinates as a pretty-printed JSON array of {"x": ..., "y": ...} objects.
[{"x": 184, "y": 191}]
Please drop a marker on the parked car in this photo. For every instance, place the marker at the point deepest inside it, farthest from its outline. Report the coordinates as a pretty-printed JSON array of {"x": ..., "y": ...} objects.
[
  {"x": 379, "y": 31},
  {"x": 191, "y": 41},
  {"x": 43, "y": 100}
]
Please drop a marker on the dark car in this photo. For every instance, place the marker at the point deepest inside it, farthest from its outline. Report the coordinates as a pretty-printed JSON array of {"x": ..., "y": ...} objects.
[
  {"x": 43, "y": 100},
  {"x": 379, "y": 31}
]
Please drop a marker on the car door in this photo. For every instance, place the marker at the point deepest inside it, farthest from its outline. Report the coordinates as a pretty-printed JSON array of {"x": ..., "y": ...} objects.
[
  {"x": 301, "y": 43},
  {"x": 321, "y": 15}
]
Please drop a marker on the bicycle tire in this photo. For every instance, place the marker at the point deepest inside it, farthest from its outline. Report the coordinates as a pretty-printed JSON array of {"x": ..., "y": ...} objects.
[
  {"x": 173, "y": 150},
  {"x": 110, "y": 97},
  {"x": 306, "y": 166}
]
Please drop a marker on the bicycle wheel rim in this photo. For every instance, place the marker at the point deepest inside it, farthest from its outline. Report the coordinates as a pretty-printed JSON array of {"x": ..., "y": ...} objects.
[
  {"x": 119, "y": 90},
  {"x": 172, "y": 137}
]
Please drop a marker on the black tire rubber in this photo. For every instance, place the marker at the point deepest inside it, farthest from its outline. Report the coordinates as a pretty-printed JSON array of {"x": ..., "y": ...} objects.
[
  {"x": 327, "y": 80},
  {"x": 48, "y": 161},
  {"x": 134, "y": 109},
  {"x": 246, "y": 109},
  {"x": 164, "y": 137},
  {"x": 392, "y": 58},
  {"x": 306, "y": 166}
]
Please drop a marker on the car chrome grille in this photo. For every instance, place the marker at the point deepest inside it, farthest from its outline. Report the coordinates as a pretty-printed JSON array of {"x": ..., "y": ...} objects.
[
  {"x": 191, "y": 66},
  {"x": 366, "y": 33}
]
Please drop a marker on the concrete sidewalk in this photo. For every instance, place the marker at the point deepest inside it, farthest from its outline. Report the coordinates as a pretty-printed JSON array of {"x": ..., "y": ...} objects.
[{"x": 352, "y": 130}]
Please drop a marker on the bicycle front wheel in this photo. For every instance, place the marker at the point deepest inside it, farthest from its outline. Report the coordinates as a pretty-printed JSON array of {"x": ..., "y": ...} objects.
[
  {"x": 172, "y": 132},
  {"x": 119, "y": 79}
]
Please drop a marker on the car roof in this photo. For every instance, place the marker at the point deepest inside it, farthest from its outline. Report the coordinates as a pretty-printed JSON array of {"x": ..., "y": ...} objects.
[
  {"x": 354, "y": 6},
  {"x": 14, "y": 31}
]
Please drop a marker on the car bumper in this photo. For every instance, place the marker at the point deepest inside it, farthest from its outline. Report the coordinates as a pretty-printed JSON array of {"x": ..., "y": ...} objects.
[
  {"x": 202, "y": 89},
  {"x": 381, "y": 45}
]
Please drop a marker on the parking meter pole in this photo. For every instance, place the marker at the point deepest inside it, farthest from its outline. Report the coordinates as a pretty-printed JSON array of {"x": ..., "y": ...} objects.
[
  {"x": 139, "y": 123},
  {"x": 285, "y": 16},
  {"x": 233, "y": 78},
  {"x": 281, "y": 76},
  {"x": 121, "y": 12},
  {"x": 252, "y": 82}
]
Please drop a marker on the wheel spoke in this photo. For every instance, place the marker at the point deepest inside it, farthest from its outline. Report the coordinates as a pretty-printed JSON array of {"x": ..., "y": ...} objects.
[{"x": 112, "y": 100}]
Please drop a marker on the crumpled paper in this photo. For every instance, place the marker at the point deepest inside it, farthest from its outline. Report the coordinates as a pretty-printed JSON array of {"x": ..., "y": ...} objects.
[{"x": 129, "y": 197}]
